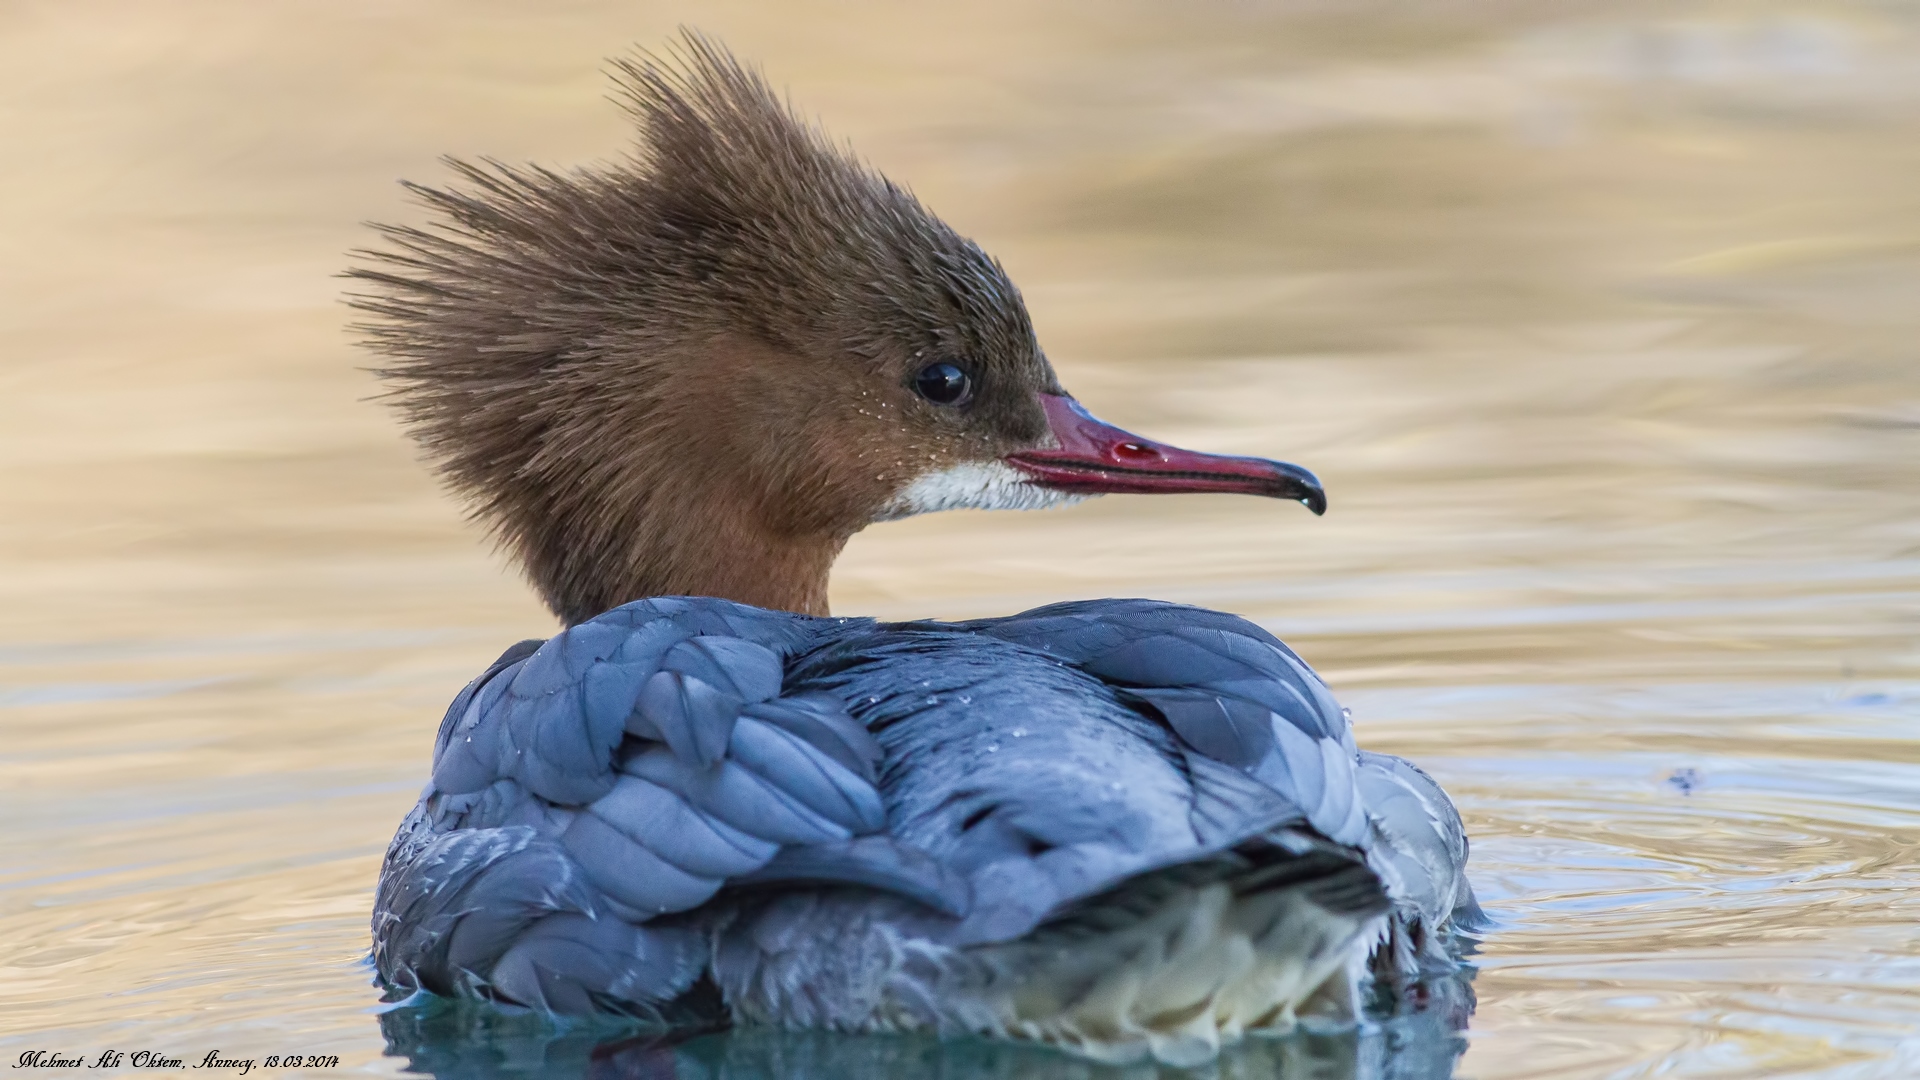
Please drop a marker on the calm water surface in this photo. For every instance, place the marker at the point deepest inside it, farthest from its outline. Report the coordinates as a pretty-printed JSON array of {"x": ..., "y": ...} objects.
[{"x": 1599, "y": 320}]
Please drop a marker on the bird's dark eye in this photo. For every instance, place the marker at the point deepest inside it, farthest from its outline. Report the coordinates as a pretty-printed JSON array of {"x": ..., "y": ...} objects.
[{"x": 944, "y": 384}]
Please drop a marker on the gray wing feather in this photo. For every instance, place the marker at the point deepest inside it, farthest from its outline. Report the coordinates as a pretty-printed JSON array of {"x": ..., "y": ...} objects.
[
  {"x": 693, "y": 717},
  {"x": 877, "y": 862},
  {"x": 574, "y": 964},
  {"x": 1226, "y": 728},
  {"x": 1318, "y": 776},
  {"x": 741, "y": 668},
  {"x": 822, "y": 721},
  {"x": 1419, "y": 834},
  {"x": 736, "y": 795},
  {"x": 631, "y": 873},
  {"x": 1229, "y": 804},
  {"x": 467, "y": 757},
  {"x": 449, "y": 904},
  {"x": 797, "y": 768},
  {"x": 1022, "y": 895},
  {"x": 660, "y": 821},
  {"x": 693, "y": 699},
  {"x": 461, "y": 701}
]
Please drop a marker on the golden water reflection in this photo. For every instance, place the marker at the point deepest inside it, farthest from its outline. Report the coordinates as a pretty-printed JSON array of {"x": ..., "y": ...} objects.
[{"x": 1599, "y": 322}]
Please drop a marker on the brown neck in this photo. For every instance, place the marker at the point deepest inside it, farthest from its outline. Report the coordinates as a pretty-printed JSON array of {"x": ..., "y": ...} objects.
[
  {"x": 699, "y": 547},
  {"x": 732, "y": 563}
]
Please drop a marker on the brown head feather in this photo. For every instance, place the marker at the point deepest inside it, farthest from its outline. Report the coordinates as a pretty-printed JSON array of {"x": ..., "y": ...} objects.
[{"x": 690, "y": 372}]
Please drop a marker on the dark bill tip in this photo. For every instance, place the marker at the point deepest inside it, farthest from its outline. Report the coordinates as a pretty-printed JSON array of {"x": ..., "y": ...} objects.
[{"x": 1092, "y": 457}]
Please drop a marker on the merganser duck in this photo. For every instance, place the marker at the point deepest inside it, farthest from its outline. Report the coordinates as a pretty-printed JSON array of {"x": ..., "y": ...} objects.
[{"x": 675, "y": 386}]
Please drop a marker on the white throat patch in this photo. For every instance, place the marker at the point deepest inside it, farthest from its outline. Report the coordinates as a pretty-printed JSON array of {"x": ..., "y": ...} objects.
[{"x": 973, "y": 485}]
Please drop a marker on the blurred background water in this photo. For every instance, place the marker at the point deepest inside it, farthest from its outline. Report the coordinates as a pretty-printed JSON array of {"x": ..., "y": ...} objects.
[{"x": 1599, "y": 321}]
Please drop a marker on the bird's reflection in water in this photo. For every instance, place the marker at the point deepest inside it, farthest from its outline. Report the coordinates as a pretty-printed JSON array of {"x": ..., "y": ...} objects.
[{"x": 464, "y": 1041}]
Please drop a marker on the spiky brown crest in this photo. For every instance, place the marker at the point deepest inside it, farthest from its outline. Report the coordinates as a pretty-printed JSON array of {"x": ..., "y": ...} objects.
[{"x": 684, "y": 372}]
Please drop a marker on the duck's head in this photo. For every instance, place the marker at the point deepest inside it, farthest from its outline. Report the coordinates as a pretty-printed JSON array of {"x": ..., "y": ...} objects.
[{"x": 700, "y": 370}]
